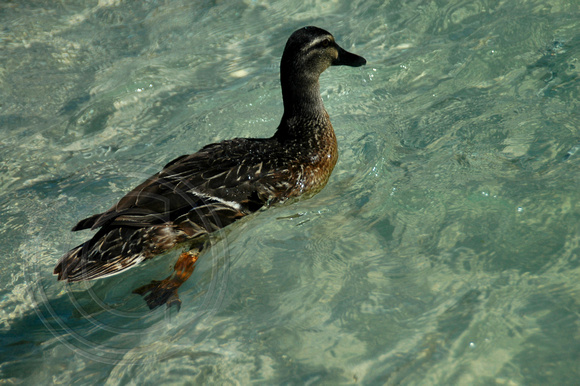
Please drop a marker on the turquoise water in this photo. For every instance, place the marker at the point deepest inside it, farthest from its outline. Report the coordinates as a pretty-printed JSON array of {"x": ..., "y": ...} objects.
[{"x": 444, "y": 250}]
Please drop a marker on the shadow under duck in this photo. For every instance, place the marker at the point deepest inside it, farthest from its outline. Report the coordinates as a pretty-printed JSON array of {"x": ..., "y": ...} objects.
[{"x": 197, "y": 194}]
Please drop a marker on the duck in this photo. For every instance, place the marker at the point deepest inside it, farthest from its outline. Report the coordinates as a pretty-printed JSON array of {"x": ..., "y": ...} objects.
[{"x": 198, "y": 194}]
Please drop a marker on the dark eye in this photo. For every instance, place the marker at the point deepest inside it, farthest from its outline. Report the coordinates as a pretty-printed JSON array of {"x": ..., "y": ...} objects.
[{"x": 325, "y": 43}]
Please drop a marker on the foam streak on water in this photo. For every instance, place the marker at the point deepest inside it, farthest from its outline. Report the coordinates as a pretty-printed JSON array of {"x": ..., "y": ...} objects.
[{"x": 444, "y": 250}]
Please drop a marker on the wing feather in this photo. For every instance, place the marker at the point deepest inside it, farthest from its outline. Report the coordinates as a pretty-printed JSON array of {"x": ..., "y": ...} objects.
[{"x": 234, "y": 171}]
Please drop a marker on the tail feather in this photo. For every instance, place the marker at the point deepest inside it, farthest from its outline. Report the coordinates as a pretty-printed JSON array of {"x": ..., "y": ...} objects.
[
  {"x": 114, "y": 250},
  {"x": 74, "y": 265}
]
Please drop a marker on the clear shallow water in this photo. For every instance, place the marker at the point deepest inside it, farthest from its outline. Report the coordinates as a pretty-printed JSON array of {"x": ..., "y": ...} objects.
[{"x": 444, "y": 250}]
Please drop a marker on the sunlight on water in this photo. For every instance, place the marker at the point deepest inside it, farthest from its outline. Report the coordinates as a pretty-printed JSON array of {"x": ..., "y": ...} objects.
[{"x": 444, "y": 250}]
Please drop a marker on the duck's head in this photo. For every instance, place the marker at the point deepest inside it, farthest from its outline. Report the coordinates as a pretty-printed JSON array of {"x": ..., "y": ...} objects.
[{"x": 311, "y": 50}]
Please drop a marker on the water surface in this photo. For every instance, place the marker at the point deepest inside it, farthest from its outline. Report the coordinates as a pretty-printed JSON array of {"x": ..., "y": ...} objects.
[{"x": 444, "y": 250}]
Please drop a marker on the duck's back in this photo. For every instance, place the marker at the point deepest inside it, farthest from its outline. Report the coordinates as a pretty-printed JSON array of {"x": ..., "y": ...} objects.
[{"x": 237, "y": 176}]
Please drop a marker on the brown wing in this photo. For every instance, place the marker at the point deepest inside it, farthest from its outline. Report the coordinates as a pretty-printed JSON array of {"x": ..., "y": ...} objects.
[
  {"x": 192, "y": 196},
  {"x": 231, "y": 179}
]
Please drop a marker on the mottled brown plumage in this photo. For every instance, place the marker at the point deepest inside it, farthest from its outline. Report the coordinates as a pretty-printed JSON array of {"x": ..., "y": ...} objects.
[{"x": 195, "y": 195}]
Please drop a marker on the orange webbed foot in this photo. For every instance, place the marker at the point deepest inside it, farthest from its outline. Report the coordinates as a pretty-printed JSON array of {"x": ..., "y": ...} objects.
[{"x": 160, "y": 292}]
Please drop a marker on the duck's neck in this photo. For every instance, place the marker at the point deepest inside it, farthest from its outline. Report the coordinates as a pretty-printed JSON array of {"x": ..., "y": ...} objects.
[{"x": 304, "y": 112}]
